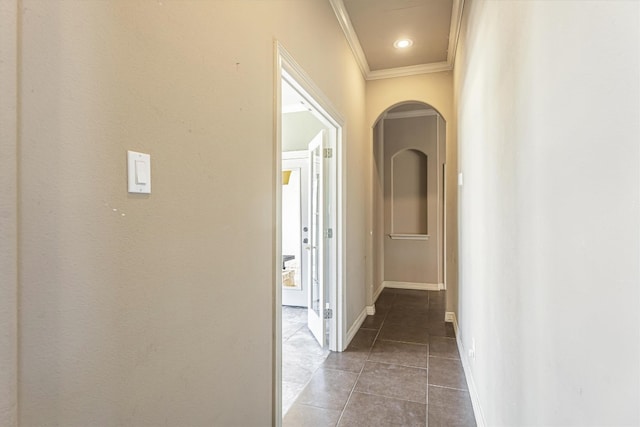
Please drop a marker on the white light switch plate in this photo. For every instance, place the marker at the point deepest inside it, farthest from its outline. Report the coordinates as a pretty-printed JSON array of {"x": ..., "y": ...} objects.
[{"x": 139, "y": 172}]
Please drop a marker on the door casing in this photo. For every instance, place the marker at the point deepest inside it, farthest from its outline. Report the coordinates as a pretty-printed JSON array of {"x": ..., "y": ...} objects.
[{"x": 286, "y": 67}]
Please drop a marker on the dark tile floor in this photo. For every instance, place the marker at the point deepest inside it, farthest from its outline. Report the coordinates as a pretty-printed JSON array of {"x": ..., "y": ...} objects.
[{"x": 401, "y": 369}]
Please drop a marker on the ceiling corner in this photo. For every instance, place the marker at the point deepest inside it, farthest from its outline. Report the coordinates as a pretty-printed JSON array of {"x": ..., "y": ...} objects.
[
  {"x": 352, "y": 38},
  {"x": 454, "y": 31}
]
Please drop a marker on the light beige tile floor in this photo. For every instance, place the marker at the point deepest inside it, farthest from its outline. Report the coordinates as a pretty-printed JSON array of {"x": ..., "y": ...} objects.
[{"x": 301, "y": 355}]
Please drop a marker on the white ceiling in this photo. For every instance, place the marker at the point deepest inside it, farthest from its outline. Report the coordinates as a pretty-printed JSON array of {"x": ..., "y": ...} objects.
[
  {"x": 292, "y": 101},
  {"x": 372, "y": 26}
]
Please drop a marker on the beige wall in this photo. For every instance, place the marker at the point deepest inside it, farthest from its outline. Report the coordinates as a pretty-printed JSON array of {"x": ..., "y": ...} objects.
[
  {"x": 157, "y": 310},
  {"x": 548, "y": 104},
  {"x": 435, "y": 89},
  {"x": 413, "y": 261},
  {"x": 8, "y": 212}
]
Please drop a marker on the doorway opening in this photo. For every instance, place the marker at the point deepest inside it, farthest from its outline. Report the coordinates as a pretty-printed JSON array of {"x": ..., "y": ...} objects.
[
  {"x": 408, "y": 199},
  {"x": 309, "y": 294}
]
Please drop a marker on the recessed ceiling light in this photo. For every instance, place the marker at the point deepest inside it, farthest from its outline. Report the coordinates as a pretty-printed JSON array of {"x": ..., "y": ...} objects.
[{"x": 402, "y": 43}]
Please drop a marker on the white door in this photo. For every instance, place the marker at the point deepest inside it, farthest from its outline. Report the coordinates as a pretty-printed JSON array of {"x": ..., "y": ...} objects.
[
  {"x": 316, "y": 248},
  {"x": 295, "y": 228}
]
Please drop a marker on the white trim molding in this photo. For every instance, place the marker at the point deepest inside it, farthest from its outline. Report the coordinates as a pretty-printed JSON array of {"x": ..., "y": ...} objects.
[
  {"x": 414, "y": 285},
  {"x": 410, "y": 114},
  {"x": 454, "y": 31},
  {"x": 352, "y": 38},
  {"x": 353, "y": 330},
  {"x": 411, "y": 70},
  {"x": 350, "y": 33},
  {"x": 377, "y": 292},
  {"x": 471, "y": 384},
  {"x": 371, "y": 310},
  {"x": 450, "y": 317},
  {"x": 396, "y": 236}
]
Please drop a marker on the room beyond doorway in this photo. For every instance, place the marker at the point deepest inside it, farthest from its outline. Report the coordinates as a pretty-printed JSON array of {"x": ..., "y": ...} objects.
[{"x": 309, "y": 226}]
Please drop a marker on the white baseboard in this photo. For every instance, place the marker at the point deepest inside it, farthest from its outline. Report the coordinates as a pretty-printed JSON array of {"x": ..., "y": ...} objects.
[
  {"x": 378, "y": 291},
  {"x": 450, "y": 317},
  {"x": 371, "y": 310},
  {"x": 471, "y": 384},
  {"x": 414, "y": 285},
  {"x": 354, "y": 328}
]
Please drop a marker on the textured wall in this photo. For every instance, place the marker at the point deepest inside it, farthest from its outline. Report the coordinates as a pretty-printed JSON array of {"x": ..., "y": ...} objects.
[
  {"x": 157, "y": 310},
  {"x": 8, "y": 212},
  {"x": 548, "y": 103}
]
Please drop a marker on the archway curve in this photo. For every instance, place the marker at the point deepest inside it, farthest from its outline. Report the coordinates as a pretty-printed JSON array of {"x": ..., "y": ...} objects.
[
  {"x": 376, "y": 274},
  {"x": 381, "y": 115}
]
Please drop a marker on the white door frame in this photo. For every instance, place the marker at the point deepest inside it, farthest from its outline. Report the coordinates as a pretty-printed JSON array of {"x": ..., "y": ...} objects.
[{"x": 287, "y": 67}]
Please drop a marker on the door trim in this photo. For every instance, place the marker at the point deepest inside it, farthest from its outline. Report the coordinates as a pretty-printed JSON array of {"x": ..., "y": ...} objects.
[{"x": 286, "y": 66}]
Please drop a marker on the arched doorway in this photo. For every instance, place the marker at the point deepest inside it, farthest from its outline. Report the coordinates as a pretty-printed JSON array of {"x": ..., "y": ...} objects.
[{"x": 408, "y": 198}]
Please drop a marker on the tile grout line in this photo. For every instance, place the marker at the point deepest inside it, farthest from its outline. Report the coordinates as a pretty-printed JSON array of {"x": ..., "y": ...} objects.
[
  {"x": 306, "y": 383},
  {"x": 447, "y": 358},
  {"x": 449, "y": 388},
  {"x": 426, "y": 421},
  {"x": 369, "y": 352},
  {"x": 363, "y": 365}
]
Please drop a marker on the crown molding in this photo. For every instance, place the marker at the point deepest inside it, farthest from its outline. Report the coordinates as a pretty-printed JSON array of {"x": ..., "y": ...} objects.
[
  {"x": 350, "y": 33},
  {"x": 454, "y": 31},
  {"x": 411, "y": 70},
  {"x": 434, "y": 67}
]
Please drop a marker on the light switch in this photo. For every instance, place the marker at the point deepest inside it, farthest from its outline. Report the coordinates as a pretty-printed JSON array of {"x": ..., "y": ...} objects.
[
  {"x": 139, "y": 172},
  {"x": 460, "y": 180}
]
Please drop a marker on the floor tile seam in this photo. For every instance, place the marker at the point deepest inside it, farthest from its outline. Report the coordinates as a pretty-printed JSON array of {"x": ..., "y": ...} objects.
[
  {"x": 359, "y": 373},
  {"x": 313, "y": 406},
  {"x": 448, "y": 388},
  {"x": 307, "y": 382},
  {"x": 321, "y": 407},
  {"x": 403, "y": 342},
  {"x": 389, "y": 397},
  {"x": 396, "y": 364},
  {"x": 428, "y": 374},
  {"x": 411, "y": 310},
  {"x": 404, "y": 322},
  {"x": 444, "y": 357},
  {"x": 336, "y": 370}
]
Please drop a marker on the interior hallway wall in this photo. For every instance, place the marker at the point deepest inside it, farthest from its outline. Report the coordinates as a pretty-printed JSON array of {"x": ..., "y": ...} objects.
[
  {"x": 435, "y": 89},
  {"x": 548, "y": 104},
  {"x": 157, "y": 310},
  {"x": 8, "y": 212}
]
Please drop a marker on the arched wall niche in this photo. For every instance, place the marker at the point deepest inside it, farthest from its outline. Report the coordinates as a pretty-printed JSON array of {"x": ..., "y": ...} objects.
[{"x": 409, "y": 195}]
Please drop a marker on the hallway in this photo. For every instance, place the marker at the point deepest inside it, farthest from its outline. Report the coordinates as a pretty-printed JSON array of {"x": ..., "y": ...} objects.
[{"x": 402, "y": 368}]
